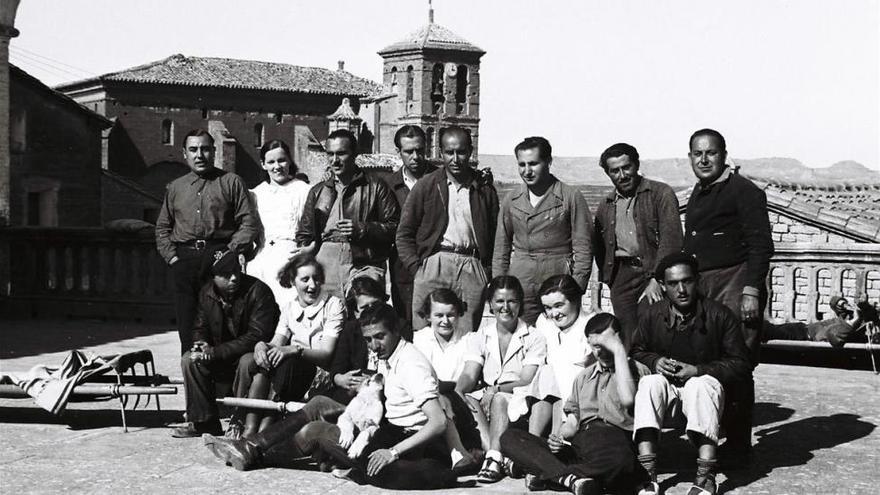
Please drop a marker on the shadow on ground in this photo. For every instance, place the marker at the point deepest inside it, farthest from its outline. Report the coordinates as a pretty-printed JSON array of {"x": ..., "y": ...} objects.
[
  {"x": 793, "y": 443},
  {"x": 89, "y": 419},
  {"x": 32, "y": 337}
]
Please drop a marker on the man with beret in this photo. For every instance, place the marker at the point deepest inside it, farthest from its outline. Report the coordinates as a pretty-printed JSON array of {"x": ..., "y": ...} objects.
[
  {"x": 205, "y": 210},
  {"x": 235, "y": 311}
]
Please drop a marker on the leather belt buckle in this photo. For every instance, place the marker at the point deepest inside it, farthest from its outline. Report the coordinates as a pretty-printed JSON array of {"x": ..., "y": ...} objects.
[{"x": 200, "y": 244}]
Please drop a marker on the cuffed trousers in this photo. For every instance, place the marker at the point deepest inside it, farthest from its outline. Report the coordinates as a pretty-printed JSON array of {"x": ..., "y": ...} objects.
[{"x": 701, "y": 400}]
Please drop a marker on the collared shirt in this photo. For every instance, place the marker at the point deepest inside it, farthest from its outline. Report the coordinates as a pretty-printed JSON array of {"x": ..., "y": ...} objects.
[
  {"x": 448, "y": 362},
  {"x": 408, "y": 180},
  {"x": 724, "y": 175},
  {"x": 682, "y": 325},
  {"x": 460, "y": 230},
  {"x": 336, "y": 212},
  {"x": 311, "y": 324},
  {"x": 214, "y": 206},
  {"x": 409, "y": 383},
  {"x": 594, "y": 396},
  {"x": 625, "y": 226},
  {"x": 527, "y": 347},
  {"x": 568, "y": 352},
  {"x": 280, "y": 207}
]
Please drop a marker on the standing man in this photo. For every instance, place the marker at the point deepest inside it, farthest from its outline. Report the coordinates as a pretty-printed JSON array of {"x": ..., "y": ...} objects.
[
  {"x": 235, "y": 311},
  {"x": 547, "y": 225},
  {"x": 203, "y": 211},
  {"x": 411, "y": 146},
  {"x": 636, "y": 226},
  {"x": 728, "y": 231},
  {"x": 695, "y": 347},
  {"x": 446, "y": 232},
  {"x": 348, "y": 220}
]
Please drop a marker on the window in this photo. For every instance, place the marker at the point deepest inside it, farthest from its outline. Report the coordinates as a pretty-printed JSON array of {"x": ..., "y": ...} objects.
[
  {"x": 409, "y": 83},
  {"x": 167, "y": 132},
  {"x": 40, "y": 201},
  {"x": 393, "y": 78},
  {"x": 429, "y": 137},
  {"x": 204, "y": 113},
  {"x": 33, "y": 208},
  {"x": 279, "y": 117},
  {"x": 258, "y": 135},
  {"x": 462, "y": 87}
]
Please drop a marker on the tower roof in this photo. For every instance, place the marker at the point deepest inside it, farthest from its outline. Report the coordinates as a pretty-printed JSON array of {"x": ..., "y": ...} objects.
[{"x": 432, "y": 36}]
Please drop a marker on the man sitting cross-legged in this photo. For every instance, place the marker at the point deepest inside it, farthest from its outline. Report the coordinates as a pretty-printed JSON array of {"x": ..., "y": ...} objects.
[
  {"x": 696, "y": 348},
  {"x": 597, "y": 426}
]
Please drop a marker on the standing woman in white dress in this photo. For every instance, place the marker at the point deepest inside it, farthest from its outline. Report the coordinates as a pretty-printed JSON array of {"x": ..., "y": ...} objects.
[
  {"x": 562, "y": 325},
  {"x": 279, "y": 203}
]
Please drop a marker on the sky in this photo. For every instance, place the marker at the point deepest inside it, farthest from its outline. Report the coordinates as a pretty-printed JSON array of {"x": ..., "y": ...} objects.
[{"x": 779, "y": 78}]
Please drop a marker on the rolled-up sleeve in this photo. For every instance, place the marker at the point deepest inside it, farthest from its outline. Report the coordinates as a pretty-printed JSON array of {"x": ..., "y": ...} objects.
[
  {"x": 334, "y": 318},
  {"x": 535, "y": 349}
]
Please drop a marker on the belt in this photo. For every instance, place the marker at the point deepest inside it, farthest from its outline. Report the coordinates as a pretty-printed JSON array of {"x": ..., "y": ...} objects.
[
  {"x": 461, "y": 250},
  {"x": 629, "y": 260},
  {"x": 199, "y": 244}
]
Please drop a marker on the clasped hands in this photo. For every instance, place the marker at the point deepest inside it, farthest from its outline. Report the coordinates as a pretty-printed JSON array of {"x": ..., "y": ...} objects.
[
  {"x": 269, "y": 356},
  {"x": 675, "y": 370}
]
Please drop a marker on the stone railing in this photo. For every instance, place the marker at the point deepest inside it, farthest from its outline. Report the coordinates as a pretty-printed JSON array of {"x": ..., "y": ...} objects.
[
  {"x": 804, "y": 277},
  {"x": 85, "y": 272}
]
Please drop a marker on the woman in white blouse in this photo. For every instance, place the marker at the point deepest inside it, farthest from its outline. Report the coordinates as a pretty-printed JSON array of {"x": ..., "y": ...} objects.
[
  {"x": 301, "y": 350},
  {"x": 568, "y": 352},
  {"x": 279, "y": 203},
  {"x": 503, "y": 357}
]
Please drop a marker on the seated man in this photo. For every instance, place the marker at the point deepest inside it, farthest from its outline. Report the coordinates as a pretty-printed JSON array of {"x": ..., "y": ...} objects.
[
  {"x": 235, "y": 311},
  {"x": 845, "y": 326},
  {"x": 598, "y": 424},
  {"x": 696, "y": 348}
]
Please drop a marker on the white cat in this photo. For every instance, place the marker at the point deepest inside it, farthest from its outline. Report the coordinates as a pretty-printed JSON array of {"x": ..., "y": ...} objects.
[{"x": 364, "y": 412}]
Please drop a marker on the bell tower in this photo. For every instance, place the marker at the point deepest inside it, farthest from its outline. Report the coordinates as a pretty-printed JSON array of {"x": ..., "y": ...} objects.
[{"x": 433, "y": 77}]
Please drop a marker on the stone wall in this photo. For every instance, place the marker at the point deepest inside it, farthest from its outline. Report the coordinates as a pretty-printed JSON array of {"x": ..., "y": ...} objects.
[{"x": 787, "y": 230}]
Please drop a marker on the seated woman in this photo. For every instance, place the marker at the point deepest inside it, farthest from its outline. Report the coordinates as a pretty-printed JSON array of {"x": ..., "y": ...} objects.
[
  {"x": 304, "y": 340},
  {"x": 444, "y": 343},
  {"x": 593, "y": 451},
  {"x": 568, "y": 352},
  {"x": 504, "y": 355}
]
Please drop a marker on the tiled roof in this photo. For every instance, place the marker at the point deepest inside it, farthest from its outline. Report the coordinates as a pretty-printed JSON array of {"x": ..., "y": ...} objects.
[
  {"x": 242, "y": 74},
  {"x": 344, "y": 112},
  {"x": 132, "y": 185},
  {"x": 383, "y": 161},
  {"x": 432, "y": 36},
  {"x": 852, "y": 210}
]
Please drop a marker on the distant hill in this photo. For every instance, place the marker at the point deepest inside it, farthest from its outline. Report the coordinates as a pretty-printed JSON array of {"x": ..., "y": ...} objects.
[{"x": 677, "y": 171}]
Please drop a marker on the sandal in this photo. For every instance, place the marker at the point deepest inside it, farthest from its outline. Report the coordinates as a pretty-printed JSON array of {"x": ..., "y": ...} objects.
[{"x": 491, "y": 471}]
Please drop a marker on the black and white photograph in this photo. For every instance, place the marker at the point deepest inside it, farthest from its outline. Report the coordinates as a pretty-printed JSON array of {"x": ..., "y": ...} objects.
[{"x": 440, "y": 246}]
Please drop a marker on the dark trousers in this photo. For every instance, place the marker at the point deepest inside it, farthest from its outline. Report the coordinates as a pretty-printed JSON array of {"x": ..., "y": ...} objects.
[
  {"x": 203, "y": 383},
  {"x": 464, "y": 421},
  {"x": 725, "y": 285},
  {"x": 189, "y": 274},
  {"x": 401, "y": 288},
  {"x": 426, "y": 467},
  {"x": 290, "y": 380},
  {"x": 279, "y": 442},
  {"x": 603, "y": 452},
  {"x": 627, "y": 284}
]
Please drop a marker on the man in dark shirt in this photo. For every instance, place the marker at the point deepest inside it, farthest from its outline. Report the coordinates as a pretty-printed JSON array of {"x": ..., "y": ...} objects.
[
  {"x": 636, "y": 225},
  {"x": 205, "y": 210},
  {"x": 696, "y": 348},
  {"x": 727, "y": 229},
  {"x": 411, "y": 146},
  {"x": 235, "y": 312},
  {"x": 349, "y": 220}
]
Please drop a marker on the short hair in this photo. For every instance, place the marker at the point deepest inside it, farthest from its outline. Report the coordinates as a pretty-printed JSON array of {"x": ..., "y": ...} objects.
[
  {"x": 673, "y": 259},
  {"x": 442, "y": 296},
  {"x": 197, "y": 133},
  {"x": 565, "y": 285},
  {"x": 409, "y": 131},
  {"x": 380, "y": 314},
  {"x": 364, "y": 286},
  {"x": 545, "y": 151},
  {"x": 275, "y": 144},
  {"x": 348, "y": 135},
  {"x": 616, "y": 150},
  {"x": 601, "y": 322},
  {"x": 288, "y": 273},
  {"x": 708, "y": 132},
  {"x": 502, "y": 282},
  {"x": 461, "y": 132}
]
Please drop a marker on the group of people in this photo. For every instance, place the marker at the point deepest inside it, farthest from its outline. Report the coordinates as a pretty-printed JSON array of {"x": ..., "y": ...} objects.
[{"x": 281, "y": 295}]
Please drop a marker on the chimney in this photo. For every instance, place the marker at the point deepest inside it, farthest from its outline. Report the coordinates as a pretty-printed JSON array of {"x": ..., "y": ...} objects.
[
  {"x": 341, "y": 64},
  {"x": 430, "y": 12}
]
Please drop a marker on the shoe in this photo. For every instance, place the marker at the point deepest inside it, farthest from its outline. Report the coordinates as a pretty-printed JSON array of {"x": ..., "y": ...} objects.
[
  {"x": 240, "y": 454},
  {"x": 513, "y": 470},
  {"x": 466, "y": 467},
  {"x": 195, "y": 430},
  {"x": 535, "y": 484},
  {"x": 649, "y": 488},
  {"x": 235, "y": 430},
  {"x": 491, "y": 472},
  {"x": 585, "y": 486}
]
